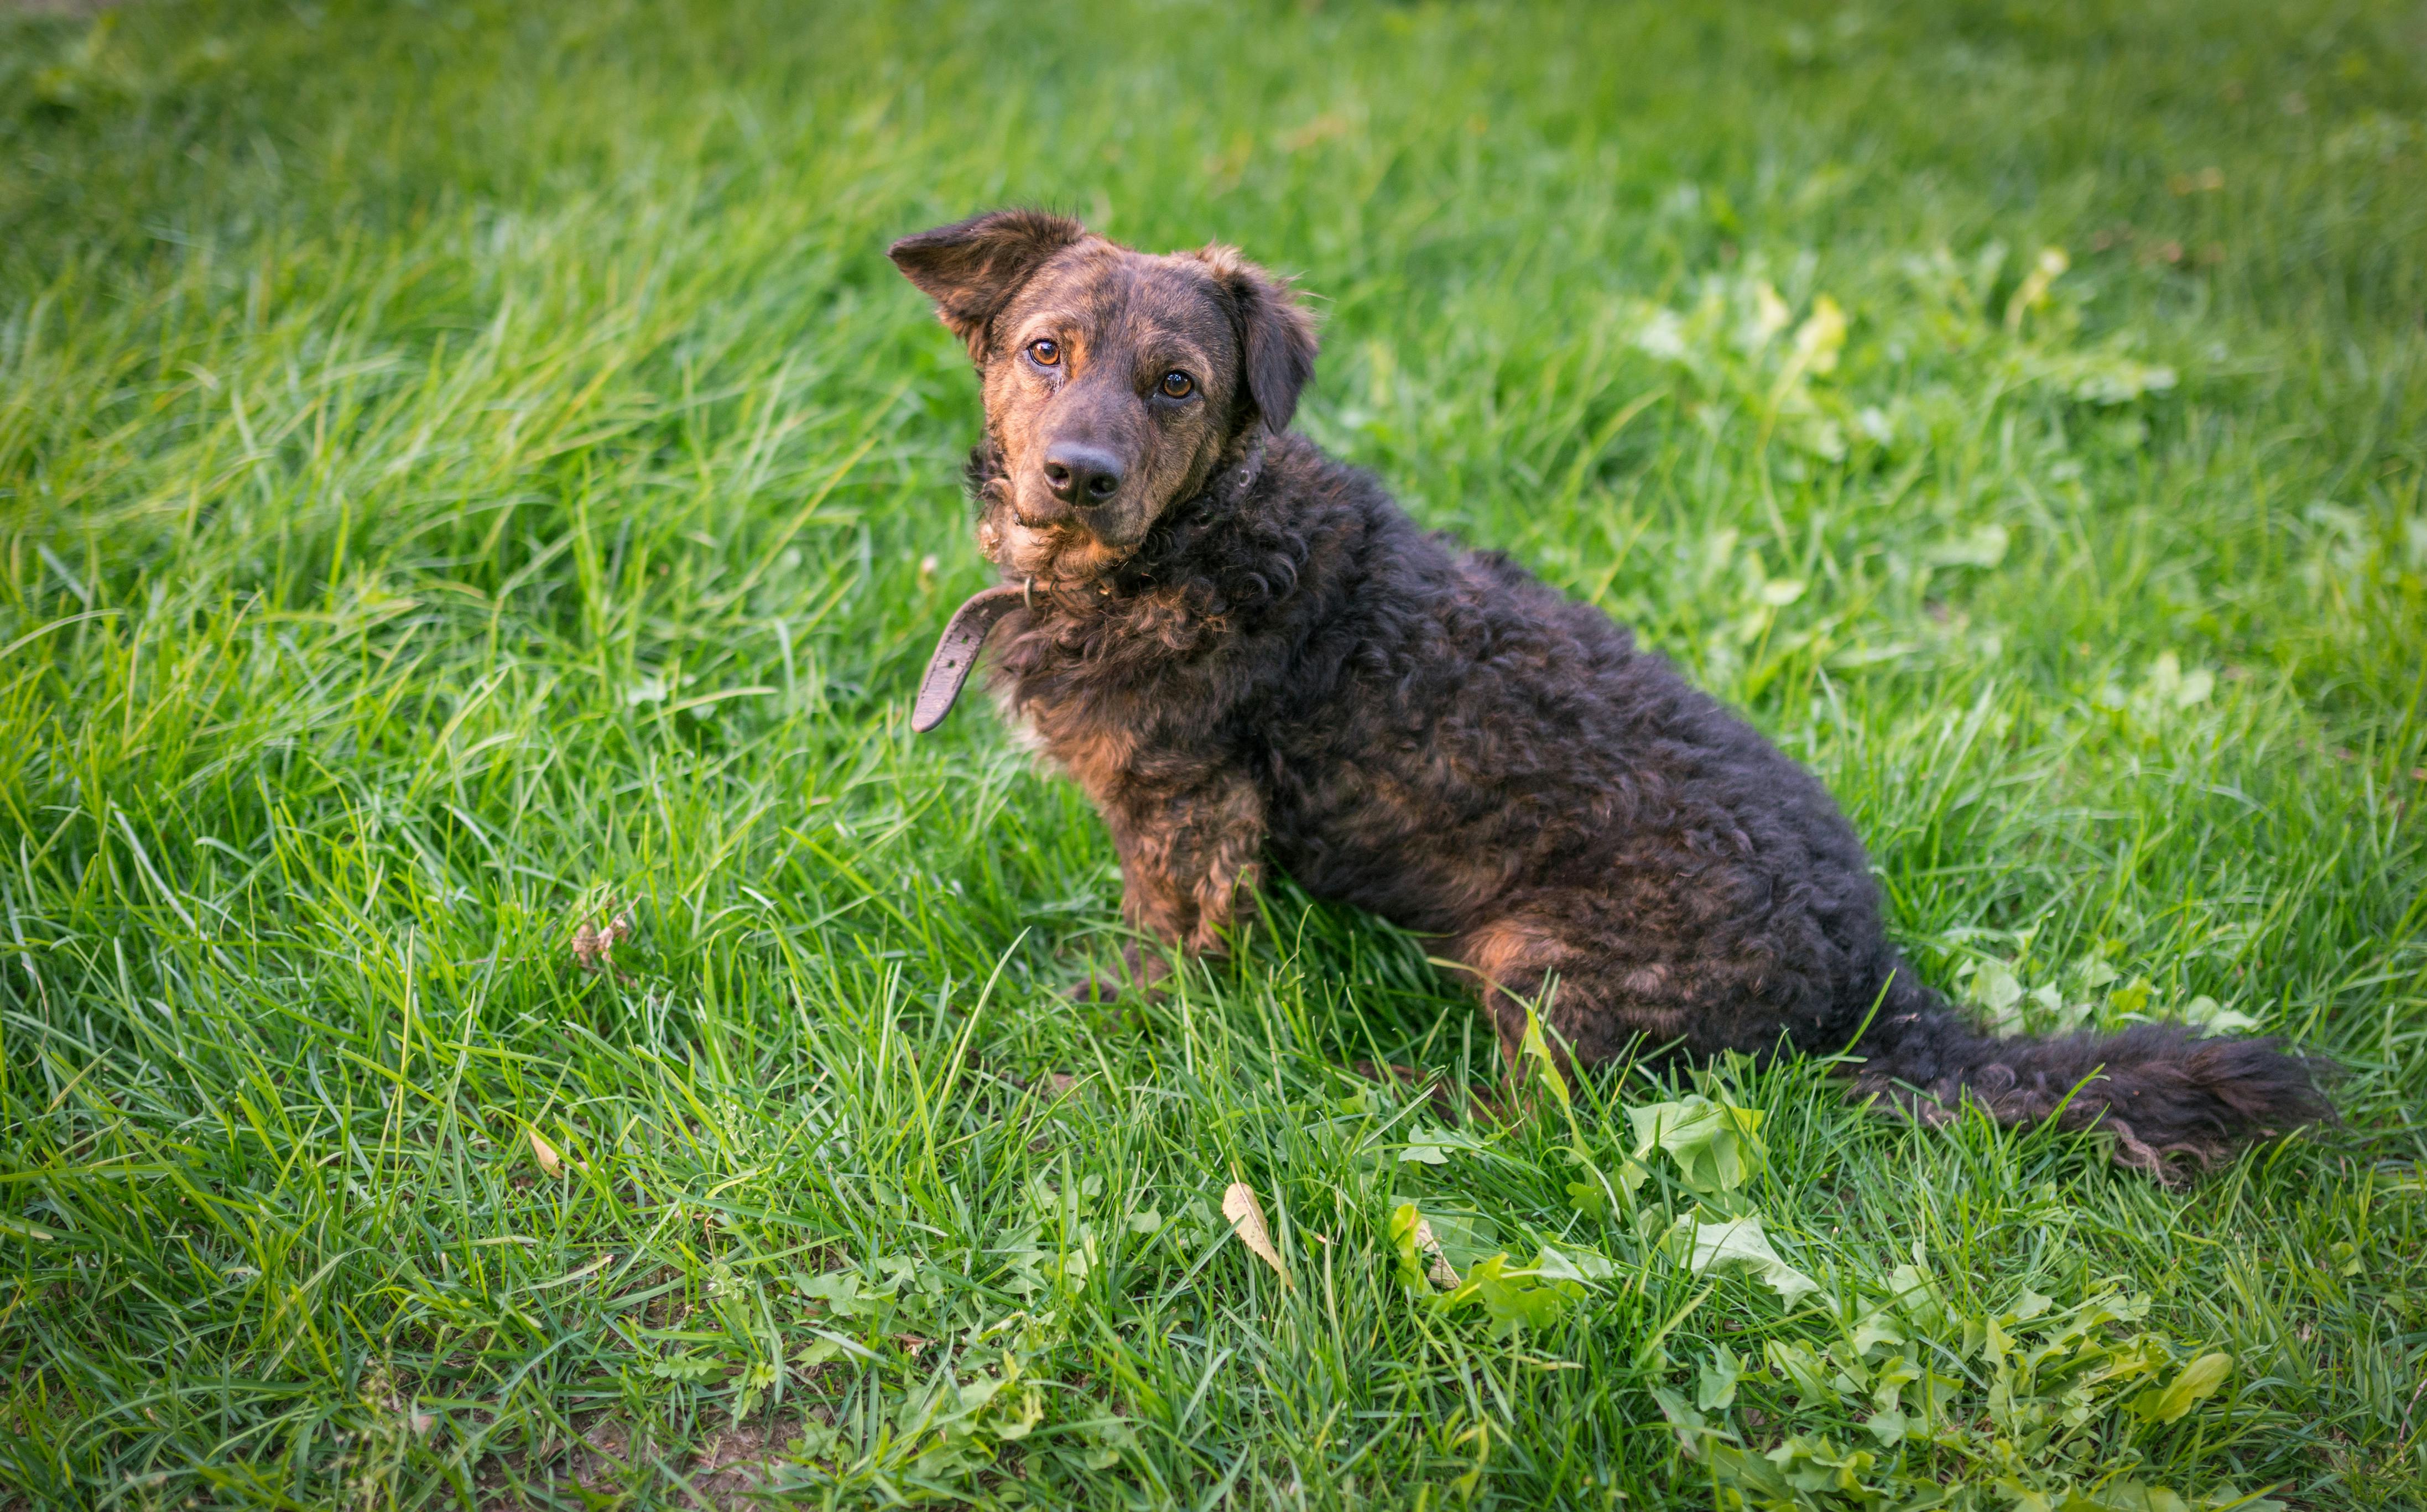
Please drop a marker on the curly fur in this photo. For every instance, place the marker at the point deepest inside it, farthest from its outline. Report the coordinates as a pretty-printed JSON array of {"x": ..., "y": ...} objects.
[{"x": 1287, "y": 670}]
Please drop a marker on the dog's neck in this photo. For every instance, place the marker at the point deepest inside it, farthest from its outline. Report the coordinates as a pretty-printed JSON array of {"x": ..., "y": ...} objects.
[
  {"x": 1183, "y": 528},
  {"x": 1240, "y": 465}
]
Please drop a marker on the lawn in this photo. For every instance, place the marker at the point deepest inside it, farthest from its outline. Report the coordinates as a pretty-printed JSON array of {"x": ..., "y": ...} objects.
[{"x": 498, "y": 1009}]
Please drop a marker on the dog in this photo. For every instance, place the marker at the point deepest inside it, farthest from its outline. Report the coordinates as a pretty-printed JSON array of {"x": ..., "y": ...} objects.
[{"x": 1248, "y": 656}]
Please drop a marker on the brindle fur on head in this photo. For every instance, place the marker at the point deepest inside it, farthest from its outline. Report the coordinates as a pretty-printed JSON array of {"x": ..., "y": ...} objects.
[{"x": 1116, "y": 382}]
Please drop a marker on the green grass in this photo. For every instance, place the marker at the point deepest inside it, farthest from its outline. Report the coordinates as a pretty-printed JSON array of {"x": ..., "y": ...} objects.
[{"x": 467, "y": 471}]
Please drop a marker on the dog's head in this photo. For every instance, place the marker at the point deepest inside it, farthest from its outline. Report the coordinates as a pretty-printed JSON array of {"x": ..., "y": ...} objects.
[{"x": 1115, "y": 382}]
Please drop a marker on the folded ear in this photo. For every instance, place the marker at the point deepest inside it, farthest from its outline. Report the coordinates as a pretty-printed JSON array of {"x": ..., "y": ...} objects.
[
  {"x": 972, "y": 268},
  {"x": 1275, "y": 334}
]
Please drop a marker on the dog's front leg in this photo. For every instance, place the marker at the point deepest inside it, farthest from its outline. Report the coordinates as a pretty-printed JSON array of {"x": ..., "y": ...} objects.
[{"x": 1189, "y": 853}]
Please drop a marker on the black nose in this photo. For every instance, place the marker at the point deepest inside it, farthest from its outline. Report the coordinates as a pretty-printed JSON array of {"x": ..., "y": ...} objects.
[{"x": 1082, "y": 474}]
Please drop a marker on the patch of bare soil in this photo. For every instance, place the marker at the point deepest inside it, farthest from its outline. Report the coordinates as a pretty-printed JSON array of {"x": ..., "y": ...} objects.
[{"x": 725, "y": 1475}]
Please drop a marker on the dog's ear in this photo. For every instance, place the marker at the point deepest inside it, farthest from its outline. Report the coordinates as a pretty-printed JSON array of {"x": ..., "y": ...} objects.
[
  {"x": 972, "y": 268},
  {"x": 1275, "y": 334}
]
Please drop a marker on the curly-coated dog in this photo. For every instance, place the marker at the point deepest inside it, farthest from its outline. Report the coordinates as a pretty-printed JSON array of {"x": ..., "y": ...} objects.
[{"x": 1248, "y": 654}]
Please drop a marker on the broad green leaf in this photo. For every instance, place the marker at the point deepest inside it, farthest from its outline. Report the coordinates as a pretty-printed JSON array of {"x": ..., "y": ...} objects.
[
  {"x": 1019, "y": 1412},
  {"x": 816, "y": 1352},
  {"x": 1582, "y": 1266},
  {"x": 1422, "y": 1264},
  {"x": 1912, "y": 1293},
  {"x": 687, "y": 1367},
  {"x": 1513, "y": 1299},
  {"x": 1077, "y": 1259},
  {"x": 1434, "y": 1146},
  {"x": 1995, "y": 986},
  {"x": 1716, "y": 1145},
  {"x": 1875, "y": 1328},
  {"x": 1740, "y": 1244},
  {"x": 1598, "y": 1196},
  {"x": 2207, "y": 1016},
  {"x": 755, "y": 1378},
  {"x": 1804, "y": 1370},
  {"x": 1889, "y": 1381},
  {"x": 1716, "y": 1388},
  {"x": 1689, "y": 1425},
  {"x": 2198, "y": 1381},
  {"x": 815, "y": 1440}
]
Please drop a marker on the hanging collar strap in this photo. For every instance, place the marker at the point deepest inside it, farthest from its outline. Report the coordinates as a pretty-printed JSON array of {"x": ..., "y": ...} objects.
[{"x": 956, "y": 653}]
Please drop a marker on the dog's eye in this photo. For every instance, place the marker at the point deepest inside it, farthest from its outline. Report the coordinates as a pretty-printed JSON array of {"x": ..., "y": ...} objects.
[
  {"x": 1177, "y": 385},
  {"x": 1046, "y": 351}
]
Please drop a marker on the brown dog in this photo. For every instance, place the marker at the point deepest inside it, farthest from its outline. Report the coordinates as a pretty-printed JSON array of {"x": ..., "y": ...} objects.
[{"x": 1245, "y": 652}]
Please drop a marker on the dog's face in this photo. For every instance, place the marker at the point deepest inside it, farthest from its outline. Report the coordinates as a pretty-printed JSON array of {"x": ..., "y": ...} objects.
[{"x": 1115, "y": 382}]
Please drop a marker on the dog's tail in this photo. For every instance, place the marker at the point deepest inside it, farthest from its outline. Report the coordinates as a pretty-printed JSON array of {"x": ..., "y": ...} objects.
[{"x": 2167, "y": 1094}]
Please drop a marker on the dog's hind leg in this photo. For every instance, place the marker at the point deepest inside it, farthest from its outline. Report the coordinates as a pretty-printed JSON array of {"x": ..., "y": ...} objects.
[{"x": 1524, "y": 963}]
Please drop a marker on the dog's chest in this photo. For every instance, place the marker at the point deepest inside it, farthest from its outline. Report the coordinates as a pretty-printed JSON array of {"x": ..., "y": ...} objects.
[{"x": 1117, "y": 738}]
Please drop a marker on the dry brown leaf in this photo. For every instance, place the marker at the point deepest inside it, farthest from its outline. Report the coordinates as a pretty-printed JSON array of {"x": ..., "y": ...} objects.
[
  {"x": 592, "y": 948},
  {"x": 1246, "y": 1218},
  {"x": 1439, "y": 1272},
  {"x": 549, "y": 1161}
]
